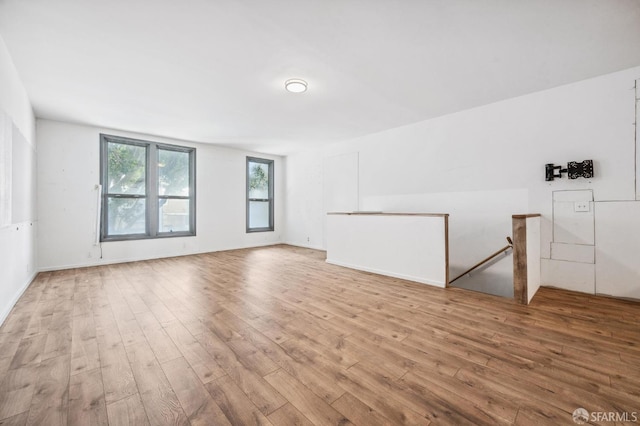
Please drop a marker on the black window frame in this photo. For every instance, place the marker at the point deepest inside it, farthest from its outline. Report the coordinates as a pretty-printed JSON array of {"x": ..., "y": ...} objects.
[
  {"x": 152, "y": 196},
  {"x": 270, "y": 163}
]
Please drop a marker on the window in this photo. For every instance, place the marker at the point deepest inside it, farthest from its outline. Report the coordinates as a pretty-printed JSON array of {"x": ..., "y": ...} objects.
[
  {"x": 148, "y": 189},
  {"x": 259, "y": 195}
]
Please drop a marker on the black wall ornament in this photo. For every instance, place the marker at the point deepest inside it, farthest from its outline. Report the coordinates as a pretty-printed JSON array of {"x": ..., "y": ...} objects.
[{"x": 574, "y": 170}]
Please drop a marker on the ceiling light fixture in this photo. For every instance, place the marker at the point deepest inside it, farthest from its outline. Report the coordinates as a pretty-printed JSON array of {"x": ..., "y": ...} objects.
[{"x": 295, "y": 85}]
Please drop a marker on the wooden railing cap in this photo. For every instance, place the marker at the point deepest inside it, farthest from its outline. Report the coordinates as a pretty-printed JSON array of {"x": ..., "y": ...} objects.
[
  {"x": 365, "y": 213},
  {"x": 525, "y": 216}
]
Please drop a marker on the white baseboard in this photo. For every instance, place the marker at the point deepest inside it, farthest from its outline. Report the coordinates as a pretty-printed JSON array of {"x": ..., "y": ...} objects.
[
  {"x": 101, "y": 262},
  {"x": 309, "y": 246},
  {"x": 389, "y": 274}
]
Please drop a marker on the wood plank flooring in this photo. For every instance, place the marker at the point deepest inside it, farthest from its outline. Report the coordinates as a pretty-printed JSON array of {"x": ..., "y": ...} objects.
[{"x": 275, "y": 336}]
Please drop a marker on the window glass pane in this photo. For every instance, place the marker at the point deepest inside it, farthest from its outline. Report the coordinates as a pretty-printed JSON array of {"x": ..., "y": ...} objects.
[
  {"x": 126, "y": 216},
  {"x": 258, "y": 180},
  {"x": 173, "y": 172},
  {"x": 126, "y": 172},
  {"x": 258, "y": 214},
  {"x": 174, "y": 215}
]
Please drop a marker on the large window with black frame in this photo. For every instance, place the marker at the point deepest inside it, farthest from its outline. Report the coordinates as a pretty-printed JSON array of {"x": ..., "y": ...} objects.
[
  {"x": 148, "y": 189},
  {"x": 259, "y": 195}
]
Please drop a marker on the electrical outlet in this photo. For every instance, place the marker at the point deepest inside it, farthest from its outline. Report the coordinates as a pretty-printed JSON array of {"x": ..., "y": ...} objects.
[{"x": 581, "y": 206}]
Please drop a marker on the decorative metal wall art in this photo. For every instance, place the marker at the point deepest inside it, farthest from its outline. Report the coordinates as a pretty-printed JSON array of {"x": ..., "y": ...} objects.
[{"x": 574, "y": 170}]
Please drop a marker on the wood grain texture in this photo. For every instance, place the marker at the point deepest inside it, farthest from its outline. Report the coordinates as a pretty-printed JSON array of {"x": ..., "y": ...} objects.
[
  {"x": 315, "y": 409},
  {"x": 85, "y": 355},
  {"x": 359, "y": 412},
  {"x": 234, "y": 403},
  {"x": 198, "y": 405},
  {"x": 519, "y": 233},
  {"x": 158, "y": 396},
  {"x": 86, "y": 399},
  {"x": 29, "y": 352},
  {"x": 288, "y": 415},
  {"x": 277, "y": 336},
  {"x": 263, "y": 395},
  {"x": 198, "y": 358},
  {"x": 117, "y": 376},
  {"x": 50, "y": 402},
  {"x": 17, "y": 420},
  {"x": 127, "y": 411},
  {"x": 16, "y": 390}
]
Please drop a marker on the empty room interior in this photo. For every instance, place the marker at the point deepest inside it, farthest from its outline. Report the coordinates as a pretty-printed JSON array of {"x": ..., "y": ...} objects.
[{"x": 220, "y": 212}]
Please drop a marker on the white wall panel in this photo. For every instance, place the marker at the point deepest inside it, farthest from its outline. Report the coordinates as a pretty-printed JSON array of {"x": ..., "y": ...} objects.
[
  {"x": 305, "y": 213},
  {"x": 6, "y": 173},
  {"x": 407, "y": 247},
  {"x": 340, "y": 184},
  {"x": 568, "y": 275},
  {"x": 14, "y": 100},
  {"x": 571, "y": 226},
  {"x": 573, "y": 252},
  {"x": 23, "y": 180},
  {"x": 533, "y": 257},
  {"x": 618, "y": 249}
]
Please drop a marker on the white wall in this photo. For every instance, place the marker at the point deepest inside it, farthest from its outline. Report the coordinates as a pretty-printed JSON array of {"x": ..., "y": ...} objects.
[
  {"x": 304, "y": 212},
  {"x": 17, "y": 198},
  {"x": 618, "y": 249},
  {"x": 69, "y": 170},
  {"x": 471, "y": 161},
  {"x": 14, "y": 100},
  {"x": 411, "y": 247},
  {"x": 533, "y": 256}
]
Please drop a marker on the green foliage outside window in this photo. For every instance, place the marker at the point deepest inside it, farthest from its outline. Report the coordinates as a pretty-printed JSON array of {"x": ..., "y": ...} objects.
[
  {"x": 127, "y": 171},
  {"x": 258, "y": 177},
  {"x": 173, "y": 172}
]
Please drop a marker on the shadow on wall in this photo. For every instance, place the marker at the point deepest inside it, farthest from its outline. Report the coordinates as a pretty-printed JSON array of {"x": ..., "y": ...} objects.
[{"x": 494, "y": 277}]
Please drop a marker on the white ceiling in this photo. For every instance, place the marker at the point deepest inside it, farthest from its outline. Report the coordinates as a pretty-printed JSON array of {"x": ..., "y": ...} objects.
[{"x": 213, "y": 70}]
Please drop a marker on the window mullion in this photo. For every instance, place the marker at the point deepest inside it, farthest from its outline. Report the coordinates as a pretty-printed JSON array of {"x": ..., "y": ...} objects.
[
  {"x": 152, "y": 188},
  {"x": 271, "y": 180},
  {"x": 104, "y": 160},
  {"x": 192, "y": 191}
]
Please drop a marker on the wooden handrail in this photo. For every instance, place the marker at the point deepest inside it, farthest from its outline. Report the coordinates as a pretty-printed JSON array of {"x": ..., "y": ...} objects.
[{"x": 482, "y": 262}]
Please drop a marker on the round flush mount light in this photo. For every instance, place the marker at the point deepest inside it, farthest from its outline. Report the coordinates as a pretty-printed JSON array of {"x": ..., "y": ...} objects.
[{"x": 295, "y": 85}]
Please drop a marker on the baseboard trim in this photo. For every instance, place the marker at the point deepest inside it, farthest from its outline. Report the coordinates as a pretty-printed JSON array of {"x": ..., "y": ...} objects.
[
  {"x": 309, "y": 246},
  {"x": 389, "y": 274},
  {"x": 102, "y": 262}
]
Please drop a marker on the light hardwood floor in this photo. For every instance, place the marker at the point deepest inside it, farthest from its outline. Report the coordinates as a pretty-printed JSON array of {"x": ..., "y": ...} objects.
[{"x": 277, "y": 336}]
